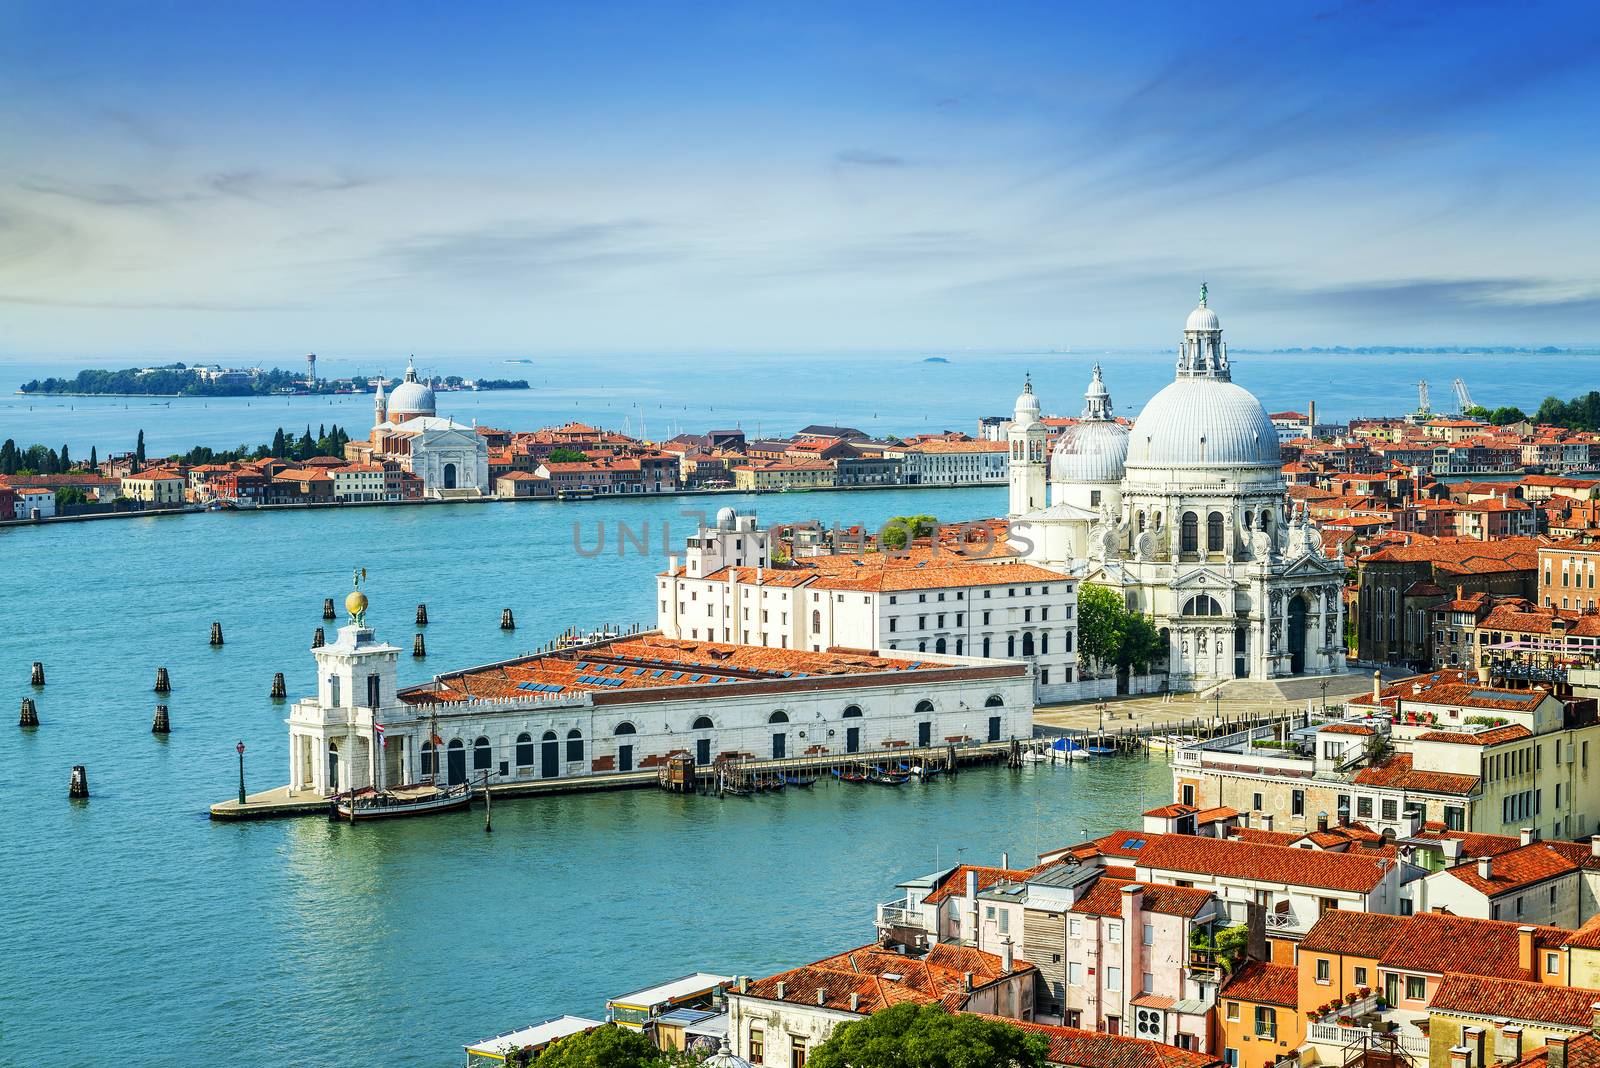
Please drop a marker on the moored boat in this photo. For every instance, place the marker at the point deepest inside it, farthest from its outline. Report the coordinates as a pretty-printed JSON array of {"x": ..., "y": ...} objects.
[{"x": 420, "y": 799}]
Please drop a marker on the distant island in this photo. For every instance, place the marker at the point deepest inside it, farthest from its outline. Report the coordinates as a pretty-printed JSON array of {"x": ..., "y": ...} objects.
[
  {"x": 935, "y": 359},
  {"x": 181, "y": 380}
]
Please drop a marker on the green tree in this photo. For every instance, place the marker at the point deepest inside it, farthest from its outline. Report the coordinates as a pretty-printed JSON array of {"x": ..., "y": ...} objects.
[
  {"x": 568, "y": 456},
  {"x": 1111, "y": 635},
  {"x": 138, "y": 450},
  {"x": 70, "y": 495},
  {"x": 280, "y": 446},
  {"x": 66, "y": 459},
  {"x": 902, "y": 530},
  {"x": 604, "y": 1047},
  {"x": 94, "y": 459},
  {"x": 1505, "y": 416},
  {"x": 909, "y": 1035}
]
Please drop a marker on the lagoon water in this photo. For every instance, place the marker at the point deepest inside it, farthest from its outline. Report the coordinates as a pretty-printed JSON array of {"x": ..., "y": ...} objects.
[{"x": 139, "y": 931}]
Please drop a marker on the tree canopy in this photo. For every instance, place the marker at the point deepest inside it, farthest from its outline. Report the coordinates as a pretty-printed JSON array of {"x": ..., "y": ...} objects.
[
  {"x": 1579, "y": 413},
  {"x": 604, "y": 1047},
  {"x": 902, "y": 530},
  {"x": 1110, "y": 634},
  {"x": 909, "y": 1035},
  {"x": 568, "y": 456}
]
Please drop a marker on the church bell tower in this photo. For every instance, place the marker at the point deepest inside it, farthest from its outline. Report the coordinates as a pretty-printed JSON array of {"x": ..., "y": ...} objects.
[{"x": 1029, "y": 461}]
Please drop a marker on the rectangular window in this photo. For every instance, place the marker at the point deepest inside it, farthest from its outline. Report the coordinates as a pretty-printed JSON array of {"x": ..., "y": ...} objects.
[
  {"x": 797, "y": 1053},
  {"x": 1266, "y": 1022},
  {"x": 1360, "y": 975},
  {"x": 758, "y": 1046},
  {"x": 1364, "y": 808},
  {"x": 1297, "y": 802},
  {"x": 1324, "y": 970},
  {"x": 1114, "y": 931},
  {"x": 1391, "y": 809},
  {"x": 1416, "y": 989},
  {"x": 1149, "y": 982},
  {"x": 1074, "y": 973},
  {"x": 1552, "y": 961},
  {"x": 1113, "y": 978},
  {"x": 1150, "y": 932},
  {"x": 1005, "y": 922},
  {"x": 1255, "y": 802},
  {"x": 1233, "y": 1012},
  {"x": 1230, "y": 1057}
]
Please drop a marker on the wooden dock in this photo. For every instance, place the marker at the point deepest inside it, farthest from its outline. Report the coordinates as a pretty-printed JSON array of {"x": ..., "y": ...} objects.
[{"x": 746, "y": 775}]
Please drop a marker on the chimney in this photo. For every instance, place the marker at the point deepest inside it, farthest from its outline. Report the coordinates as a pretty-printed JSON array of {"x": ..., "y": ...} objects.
[
  {"x": 1527, "y": 836},
  {"x": 1483, "y": 674},
  {"x": 1525, "y": 951},
  {"x": 972, "y": 888},
  {"x": 1511, "y": 1036},
  {"x": 1322, "y": 821},
  {"x": 1311, "y": 415},
  {"x": 855, "y": 1002},
  {"x": 1377, "y": 684},
  {"x": 780, "y": 990},
  {"x": 1005, "y": 860},
  {"x": 1594, "y": 846},
  {"x": 1265, "y": 820},
  {"x": 1594, "y": 1018},
  {"x": 1472, "y": 1038},
  {"x": 1555, "y": 1051},
  {"x": 966, "y": 981},
  {"x": 822, "y": 995},
  {"x": 1007, "y": 958},
  {"x": 744, "y": 984},
  {"x": 1483, "y": 868},
  {"x": 1461, "y": 591},
  {"x": 1460, "y": 1057},
  {"x": 1452, "y": 849}
]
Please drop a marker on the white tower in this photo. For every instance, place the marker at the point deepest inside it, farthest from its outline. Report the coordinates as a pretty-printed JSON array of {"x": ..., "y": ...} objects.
[
  {"x": 380, "y": 408},
  {"x": 1029, "y": 463}
]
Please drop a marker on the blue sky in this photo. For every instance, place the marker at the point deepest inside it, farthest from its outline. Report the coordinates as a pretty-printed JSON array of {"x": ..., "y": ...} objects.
[{"x": 363, "y": 178}]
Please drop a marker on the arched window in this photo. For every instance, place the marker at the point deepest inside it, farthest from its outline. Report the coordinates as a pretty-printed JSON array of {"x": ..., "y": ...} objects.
[
  {"x": 1202, "y": 605},
  {"x": 922, "y": 647},
  {"x": 958, "y": 646},
  {"x": 1011, "y": 645},
  {"x": 1189, "y": 533},
  {"x": 624, "y": 728},
  {"x": 995, "y": 701},
  {"x": 482, "y": 755},
  {"x": 985, "y": 645},
  {"x": 524, "y": 750},
  {"x": 939, "y": 646},
  {"x": 574, "y": 745},
  {"x": 852, "y": 712},
  {"x": 1141, "y": 520},
  {"x": 703, "y": 724},
  {"x": 1247, "y": 518},
  {"x": 1159, "y": 520},
  {"x": 428, "y": 767},
  {"x": 816, "y": 622},
  {"x": 1044, "y": 643},
  {"x": 924, "y": 708},
  {"x": 1027, "y": 643},
  {"x": 1266, "y": 520},
  {"x": 1214, "y": 532},
  {"x": 779, "y": 716}
]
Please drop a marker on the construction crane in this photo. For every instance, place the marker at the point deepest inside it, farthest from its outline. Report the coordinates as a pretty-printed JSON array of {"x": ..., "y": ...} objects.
[
  {"x": 1423, "y": 407},
  {"x": 1463, "y": 398}
]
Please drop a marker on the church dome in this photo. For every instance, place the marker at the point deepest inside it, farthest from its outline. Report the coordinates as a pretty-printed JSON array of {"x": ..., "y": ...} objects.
[
  {"x": 1027, "y": 407},
  {"x": 1203, "y": 422},
  {"x": 411, "y": 397},
  {"x": 1090, "y": 451},
  {"x": 1203, "y": 318},
  {"x": 1095, "y": 448}
]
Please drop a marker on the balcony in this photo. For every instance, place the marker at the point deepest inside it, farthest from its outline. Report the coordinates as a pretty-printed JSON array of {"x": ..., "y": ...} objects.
[{"x": 1413, "y": 1044}]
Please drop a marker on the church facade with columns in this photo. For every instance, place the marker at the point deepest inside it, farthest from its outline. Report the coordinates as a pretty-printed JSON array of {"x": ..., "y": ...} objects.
[
  {"x": 1185, "y": 514},
  {"x": 451, "y": 459}
]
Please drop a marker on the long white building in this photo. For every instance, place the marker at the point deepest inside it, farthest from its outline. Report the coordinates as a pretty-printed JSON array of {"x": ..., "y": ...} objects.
[
  {"x": 625, "y": 705},
  {"x": 934, "y": 601}
]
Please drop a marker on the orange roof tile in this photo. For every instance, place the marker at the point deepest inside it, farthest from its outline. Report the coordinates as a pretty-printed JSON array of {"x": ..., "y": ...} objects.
[
  {"x": 1266, "y": 984},
  {"x": 1516, "y": 869},
  {"x": 1105, "y": 898},
  {"x": 1232, "y": 858},
  {"x": 1397, "y": 773},
  {"x": 1519, "y": 1001}
]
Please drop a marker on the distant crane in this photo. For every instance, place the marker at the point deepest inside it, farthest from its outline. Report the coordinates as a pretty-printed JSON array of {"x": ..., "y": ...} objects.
[
  {"x": 1423, "y": 407},
  {"x": 1462, "y": 396}
]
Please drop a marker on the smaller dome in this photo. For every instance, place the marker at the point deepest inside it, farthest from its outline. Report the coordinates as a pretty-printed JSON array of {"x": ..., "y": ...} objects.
[
  {"x": 1094, "y": 450},
  {"x": 1203, "y": 318},
  {"x": 727, "y": 518},
  {"x": 411, "y": 397},
  {"x": 725, "y": 1058},
  {"x": 1027, "y": 407}
]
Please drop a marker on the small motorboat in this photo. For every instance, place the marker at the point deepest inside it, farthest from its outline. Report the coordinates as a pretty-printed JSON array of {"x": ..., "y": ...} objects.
[
  {"x": 924, "y": 774},
  {"x": 420, "y": 799}
]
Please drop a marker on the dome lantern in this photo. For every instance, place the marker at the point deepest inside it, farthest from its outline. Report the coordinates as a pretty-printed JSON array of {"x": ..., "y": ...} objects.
[{"x": 1026, "y": 411}]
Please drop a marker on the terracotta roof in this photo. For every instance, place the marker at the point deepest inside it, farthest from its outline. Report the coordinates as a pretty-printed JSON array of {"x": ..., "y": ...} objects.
[
  {"x": 1587, "y": 936},
  {"x": 1173, "y": 810},
  {"x": 1262, "y": 836},
  {"x": 955, "y": 884},
  {"x": 1232, "y": 858},
  {"x": 1105, "y": 898},
  {"x": 882, "y": 978},
  {"x": 1452, "y": 686},
  {"x": 1268, "y": 984},
  {"x": 1582, "y": 1051},
  {"x": 1072, "y": 1047},
  {"x": 1516, "y": 869},
  {"x": 1429, "y": 942},
  {"x": 1493, "y": 736},
  {"x": 1212, "y": 815},
  {"x": 1346, "y": 728},
  {"x": 1465, "y": 555},
  {"x": 1529, "y": 1002},
  {"x": 1397, "y": 773}
]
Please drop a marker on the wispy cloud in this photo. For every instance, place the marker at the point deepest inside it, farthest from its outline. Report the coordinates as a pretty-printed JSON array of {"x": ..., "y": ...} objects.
[
  {"x": 856, "y": 157},
  {"x": 522, "y": 252}
]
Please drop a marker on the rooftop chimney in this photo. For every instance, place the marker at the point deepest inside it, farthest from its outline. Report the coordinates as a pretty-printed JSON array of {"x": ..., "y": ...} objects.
[
  {"x": 1377, "y": 684},
  {"x": 822, "y": 995},
  {"x": 972, "y": 887},
  {"x": 1555, "y": 1051},
  {"x": 1511, "y": 1037},
  {"x": 1311, "y": 415},
  {"x": 1005, "y": 860},
  {"x": 1460, "y": 1057},
  {"x": 1594, "y": 846},
  {"x": 744, "y": 984},
  {"x": 1007, "y": 958},
  {"x": 780, "y": 990},
  {"x": 1451, "y": 848},
  {"x": 1527, "y": 836},
  {"x": 1472, "y": 1038},
  {"x": 1483, "y": 868},
  {"x": 1322, "y": 821},
  {"x": 1266, "y": 821},
  {"x": 966, "y": 981},
  {"x": 855, "y": 1002},
  {"x": 1525, "y": 950}
]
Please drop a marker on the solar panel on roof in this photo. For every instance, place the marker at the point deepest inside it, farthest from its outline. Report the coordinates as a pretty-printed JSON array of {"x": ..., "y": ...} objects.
[{"x": 1500, "y": 695}]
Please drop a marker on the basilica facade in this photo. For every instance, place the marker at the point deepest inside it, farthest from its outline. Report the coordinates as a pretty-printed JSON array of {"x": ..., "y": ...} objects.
[{"x": 1185, "y": 514}]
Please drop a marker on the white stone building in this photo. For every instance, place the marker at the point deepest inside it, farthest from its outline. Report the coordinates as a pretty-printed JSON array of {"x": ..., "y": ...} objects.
[
  {"x": 451, "y": 459},
  {"x": 951, "y": 463},
  {"x": 1185, "y": 514},
  {"x": 727, "y": 589},
  {"x": 624, "y": 705}
]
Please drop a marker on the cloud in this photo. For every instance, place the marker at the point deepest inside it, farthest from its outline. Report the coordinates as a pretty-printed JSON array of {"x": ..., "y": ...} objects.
[
  {"x": 523, "y": 252},
  {"x": 856, "y": 157},
  {"x": 1510, "y": 300},
  {"x": 23, "y": 300},
  {"x": 247, "y": 184},
  {"x": 264, "y": 185},
  {"x": 108, "y": 194}
]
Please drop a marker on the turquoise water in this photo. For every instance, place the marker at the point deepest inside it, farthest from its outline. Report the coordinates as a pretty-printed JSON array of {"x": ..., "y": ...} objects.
[{"x": 138, "y": 929}]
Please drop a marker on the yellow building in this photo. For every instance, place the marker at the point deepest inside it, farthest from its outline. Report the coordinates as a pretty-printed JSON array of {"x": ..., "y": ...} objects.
[
  {"x": 1500, "y": 1020},
  {"x": 155, "y": 486},
  {"x": 783, "y": 475},
  {"x": 1259, "y": 1015}
]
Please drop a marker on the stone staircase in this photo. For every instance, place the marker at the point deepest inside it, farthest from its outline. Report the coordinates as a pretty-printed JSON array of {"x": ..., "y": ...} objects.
[{"x": 1296, "y": 689}]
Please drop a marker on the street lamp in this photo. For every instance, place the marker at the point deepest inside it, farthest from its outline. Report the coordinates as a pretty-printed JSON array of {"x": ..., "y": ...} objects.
[
  {"x": 240, "y": 748},
  {"x": 1323, "y": 686}
]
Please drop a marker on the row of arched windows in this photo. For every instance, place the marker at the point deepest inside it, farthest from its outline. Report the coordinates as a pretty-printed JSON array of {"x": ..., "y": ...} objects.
[{"x": 1216, "y": 532}]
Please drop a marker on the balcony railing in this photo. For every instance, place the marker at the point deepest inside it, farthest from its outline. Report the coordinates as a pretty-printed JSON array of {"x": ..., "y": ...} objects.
[{"x": 1336, "y": 1035}]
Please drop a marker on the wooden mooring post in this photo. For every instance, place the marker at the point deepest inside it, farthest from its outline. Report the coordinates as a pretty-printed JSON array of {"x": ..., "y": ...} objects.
[
  {"x": 327, "y": 608},
  {"x": 30, "y": 714},
  {"x": 507, "y": 621},
  {"x": 419, "y": 648},
  {"x": 216, "y": 632},
  {"x": 38, "y": 673},
  {"x": 78, "y": 786},
  {"x": 279, "y": 689},
  {"x": 163, "y": 682},
  {"x": 318, "y": 638},
  {"x": 422, "y": 615},
  {"x": 162, "y": 724}
]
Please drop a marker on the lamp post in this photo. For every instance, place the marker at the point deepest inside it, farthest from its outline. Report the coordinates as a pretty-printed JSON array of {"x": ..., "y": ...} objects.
[
  {"x": 240, "y": 748},
  {"x": 1323, "y": 686}
]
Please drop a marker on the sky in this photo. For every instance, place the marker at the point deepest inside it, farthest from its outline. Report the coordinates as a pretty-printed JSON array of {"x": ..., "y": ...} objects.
[{"x": 268, "y": 179}]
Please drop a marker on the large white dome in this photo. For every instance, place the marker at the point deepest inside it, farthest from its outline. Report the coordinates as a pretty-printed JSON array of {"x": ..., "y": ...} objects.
[
  {"x": 411, "y": 397},
  {"x": 1203, "y": 422},
  {"x": 1090, "y": 451}
]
